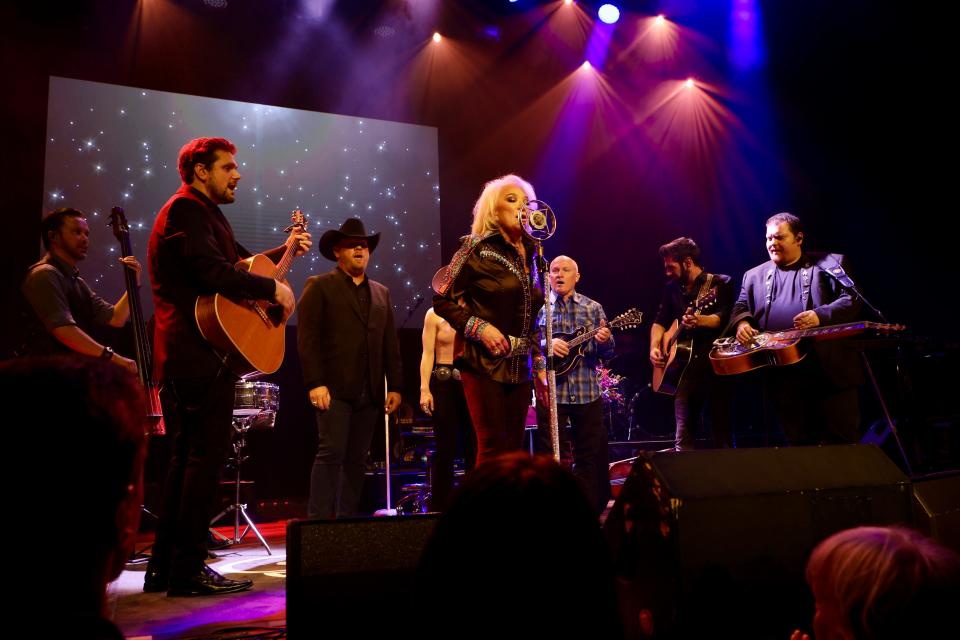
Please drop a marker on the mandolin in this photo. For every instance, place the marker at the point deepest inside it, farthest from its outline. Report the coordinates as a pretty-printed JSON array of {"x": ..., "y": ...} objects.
[{"x": 577, "y": 341}]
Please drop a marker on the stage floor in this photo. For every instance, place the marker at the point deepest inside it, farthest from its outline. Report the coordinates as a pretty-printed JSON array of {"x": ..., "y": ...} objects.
[{"x": 155, "y": 616}]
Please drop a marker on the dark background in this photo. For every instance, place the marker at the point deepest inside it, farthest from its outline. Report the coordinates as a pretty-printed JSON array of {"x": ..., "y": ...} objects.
[{"x": 846, "y": 122}]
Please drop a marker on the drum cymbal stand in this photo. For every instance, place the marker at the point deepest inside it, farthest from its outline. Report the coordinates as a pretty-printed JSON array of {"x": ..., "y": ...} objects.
[{"x": 241, "y": 425}]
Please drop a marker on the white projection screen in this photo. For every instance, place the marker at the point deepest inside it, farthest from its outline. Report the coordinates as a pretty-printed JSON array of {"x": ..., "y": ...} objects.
[{"x": 109, "y": 145}]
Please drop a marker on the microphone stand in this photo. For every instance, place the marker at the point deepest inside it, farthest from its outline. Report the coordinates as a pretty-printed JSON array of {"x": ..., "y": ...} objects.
[
  {"x": 848, "y": 285},
  {"x": 540, "y": 224},
  {"x": 542, "y": 270}
]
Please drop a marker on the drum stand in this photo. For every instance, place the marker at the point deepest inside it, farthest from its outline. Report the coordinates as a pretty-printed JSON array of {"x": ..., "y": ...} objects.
[{"x": 241, "y": 425}]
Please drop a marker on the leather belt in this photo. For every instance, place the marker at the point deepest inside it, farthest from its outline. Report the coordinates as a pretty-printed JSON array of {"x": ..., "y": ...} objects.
[{"x": 443, "y": 372}]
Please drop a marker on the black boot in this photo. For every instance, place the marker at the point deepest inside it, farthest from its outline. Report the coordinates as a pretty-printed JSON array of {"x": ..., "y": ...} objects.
[{"x": 206, "y": 582}]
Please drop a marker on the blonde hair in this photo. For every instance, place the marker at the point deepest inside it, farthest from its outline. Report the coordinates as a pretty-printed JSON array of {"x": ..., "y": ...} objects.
[
  {"x": 485, "y": 209},
  {"x": 884, "y": 580}
]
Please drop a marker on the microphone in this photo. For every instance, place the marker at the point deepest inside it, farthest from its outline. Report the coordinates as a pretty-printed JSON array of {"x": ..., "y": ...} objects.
[{"x": 538, "y": 220}]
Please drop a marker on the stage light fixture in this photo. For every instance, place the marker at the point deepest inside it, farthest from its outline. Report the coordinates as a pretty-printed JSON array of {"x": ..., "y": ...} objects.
[
  {"x": 660, "y": 20},
  {"x": 608, "y": 13},
  {"x": 437, "y": 37},
  {"x": 690, "y": 84},
  {"x": 586, "y": 65}
]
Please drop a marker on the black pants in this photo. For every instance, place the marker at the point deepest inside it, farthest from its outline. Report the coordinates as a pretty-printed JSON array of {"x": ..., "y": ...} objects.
[
  {"x": 201, "y": 412},
  {"x": 451, "y": 422},
  {"x": 345, "y": 432},
  {"x": 702, "y": 393},
  {"x": 498, "y": 411},
  {"x": 589, "y": 439},
  {"x": 809, "y": 409}
]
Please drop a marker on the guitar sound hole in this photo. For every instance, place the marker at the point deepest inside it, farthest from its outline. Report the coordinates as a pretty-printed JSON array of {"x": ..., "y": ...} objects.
[{"x": 275, "y": 313}]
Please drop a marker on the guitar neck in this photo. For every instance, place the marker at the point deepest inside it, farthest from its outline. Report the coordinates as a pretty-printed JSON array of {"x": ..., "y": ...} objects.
[
  {"x": 583, "y": 337},
  {"x": 832, "y": 331},
  {"x": 284, "y": 265}
]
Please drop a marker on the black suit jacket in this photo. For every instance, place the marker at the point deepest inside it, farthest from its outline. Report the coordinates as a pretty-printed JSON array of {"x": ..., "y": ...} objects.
[
  {"x": 192, "y": 252},
  {"x": 831, "y": 302},
  {"x": 332, "y": 337}
]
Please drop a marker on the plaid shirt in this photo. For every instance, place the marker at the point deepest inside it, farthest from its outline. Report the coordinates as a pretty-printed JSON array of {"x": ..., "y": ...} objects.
[{"x": 579, "y": 386}]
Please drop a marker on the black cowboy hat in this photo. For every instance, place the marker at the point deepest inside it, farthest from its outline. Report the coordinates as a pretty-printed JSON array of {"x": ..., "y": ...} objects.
[{"x": 351, "y": 228}]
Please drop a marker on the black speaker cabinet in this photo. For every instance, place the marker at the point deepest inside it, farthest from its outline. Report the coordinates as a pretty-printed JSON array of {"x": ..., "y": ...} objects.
[
  {"x": 353, "y": 574},
  {"x": 714, "y": 543},
  {"x": 937, "y": 507}
]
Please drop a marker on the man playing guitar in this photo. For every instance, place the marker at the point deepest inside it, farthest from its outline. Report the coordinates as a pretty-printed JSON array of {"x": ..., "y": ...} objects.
[
  {"x": 816, "y": 399},
  {"x": 698, "y": 387},
  {"x": 578, "y": 394},
  {"x": 193, "y": 253}
]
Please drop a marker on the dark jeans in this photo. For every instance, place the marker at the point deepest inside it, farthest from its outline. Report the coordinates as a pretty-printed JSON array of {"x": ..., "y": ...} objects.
[
  {"x": 345, "y": 432},
  {"x": 703, "y": 393},
  {"x": 810, "y": 411},
  {"x": 451, "y": 421},
  {"x": 201, "y": 412},
  {"x": 589, "y": 438},
  {"x": 498, "y": 411}
]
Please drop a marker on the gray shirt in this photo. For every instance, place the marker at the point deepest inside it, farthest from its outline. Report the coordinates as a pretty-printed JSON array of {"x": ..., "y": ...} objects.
[{"x": 59, "y": 297}]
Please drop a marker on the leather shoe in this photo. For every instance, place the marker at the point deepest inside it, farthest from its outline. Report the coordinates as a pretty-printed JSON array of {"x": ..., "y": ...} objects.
[
  {"x": 155, "y": 580},
  {"x": 206, "y": 582}
]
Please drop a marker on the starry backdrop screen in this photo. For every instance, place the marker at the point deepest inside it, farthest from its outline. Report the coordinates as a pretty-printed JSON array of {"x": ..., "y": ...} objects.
[{"x": 110, "y": 145}]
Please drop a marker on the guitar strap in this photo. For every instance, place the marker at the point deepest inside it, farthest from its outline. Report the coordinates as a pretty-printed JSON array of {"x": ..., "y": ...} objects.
[
  {"x": 805, "y": 290},
  {"x": 707, "y": 282}
]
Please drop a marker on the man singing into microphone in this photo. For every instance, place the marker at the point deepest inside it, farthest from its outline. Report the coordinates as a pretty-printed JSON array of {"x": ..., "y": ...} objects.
[{"x": 815, "y": 399}]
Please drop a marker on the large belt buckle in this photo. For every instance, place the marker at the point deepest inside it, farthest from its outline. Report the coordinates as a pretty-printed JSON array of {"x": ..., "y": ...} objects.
[
  {"x": 518, "y": 345},
  {"x": 443, "y": 373}
]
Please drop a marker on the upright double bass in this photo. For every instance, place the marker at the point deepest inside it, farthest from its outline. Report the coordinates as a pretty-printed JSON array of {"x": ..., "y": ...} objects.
[{"x": 154, "y": 423}]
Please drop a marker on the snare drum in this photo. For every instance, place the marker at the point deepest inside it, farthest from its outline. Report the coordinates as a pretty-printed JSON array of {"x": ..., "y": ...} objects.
[{"x": 257, "y": 403}]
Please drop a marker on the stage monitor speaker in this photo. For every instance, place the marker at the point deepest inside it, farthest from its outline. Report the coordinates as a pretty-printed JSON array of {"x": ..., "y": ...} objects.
[
  {"x": 353, "y": 574},
  {"x": 714, "y": 543},
  {"x": 937, "y": 507}
]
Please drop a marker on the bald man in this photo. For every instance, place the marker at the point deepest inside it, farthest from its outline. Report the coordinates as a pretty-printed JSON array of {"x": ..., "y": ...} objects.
[{"x": 578, "y": 393}]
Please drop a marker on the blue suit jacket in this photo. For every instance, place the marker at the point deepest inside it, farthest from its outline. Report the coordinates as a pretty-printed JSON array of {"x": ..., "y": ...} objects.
[{"x": 831, "y": 302}]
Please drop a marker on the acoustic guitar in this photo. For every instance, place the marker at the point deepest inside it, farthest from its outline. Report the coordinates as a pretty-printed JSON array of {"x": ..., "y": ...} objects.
[
  {"x": 780, "y": 348},
  {"x": 577, "y": 341},
  {"x": 141, "y": 341},
  {"x": 250, "y": 334},
  {"x": 677, "y": 344}
]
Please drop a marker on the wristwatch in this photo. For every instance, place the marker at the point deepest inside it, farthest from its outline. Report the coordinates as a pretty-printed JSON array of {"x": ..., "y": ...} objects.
[{"x": 107, "y": 354}]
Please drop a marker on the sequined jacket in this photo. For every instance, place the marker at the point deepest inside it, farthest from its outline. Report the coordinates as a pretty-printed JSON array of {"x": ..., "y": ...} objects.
[{"x": 487, "y": 280}]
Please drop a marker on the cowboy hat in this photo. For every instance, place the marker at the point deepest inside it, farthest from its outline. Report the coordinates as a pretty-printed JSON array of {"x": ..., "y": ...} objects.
[{"x": 351, "y": 228}]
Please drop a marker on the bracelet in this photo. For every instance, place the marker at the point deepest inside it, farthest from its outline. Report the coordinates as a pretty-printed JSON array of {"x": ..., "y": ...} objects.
[
  {"x": 474, "y": 328},
  {"x": 539, "y": 364},
  {"x": 106, "y": 354}
]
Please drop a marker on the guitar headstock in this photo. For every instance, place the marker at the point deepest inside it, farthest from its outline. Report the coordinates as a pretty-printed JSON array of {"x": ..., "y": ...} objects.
[
  {"x": 706, "y": 301},
  {"x": 886, "y": 329},
  {"x": 629, "y": 319},
  {"x": 298, "y": 222},
  {"x": 118, "y": 222}
]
